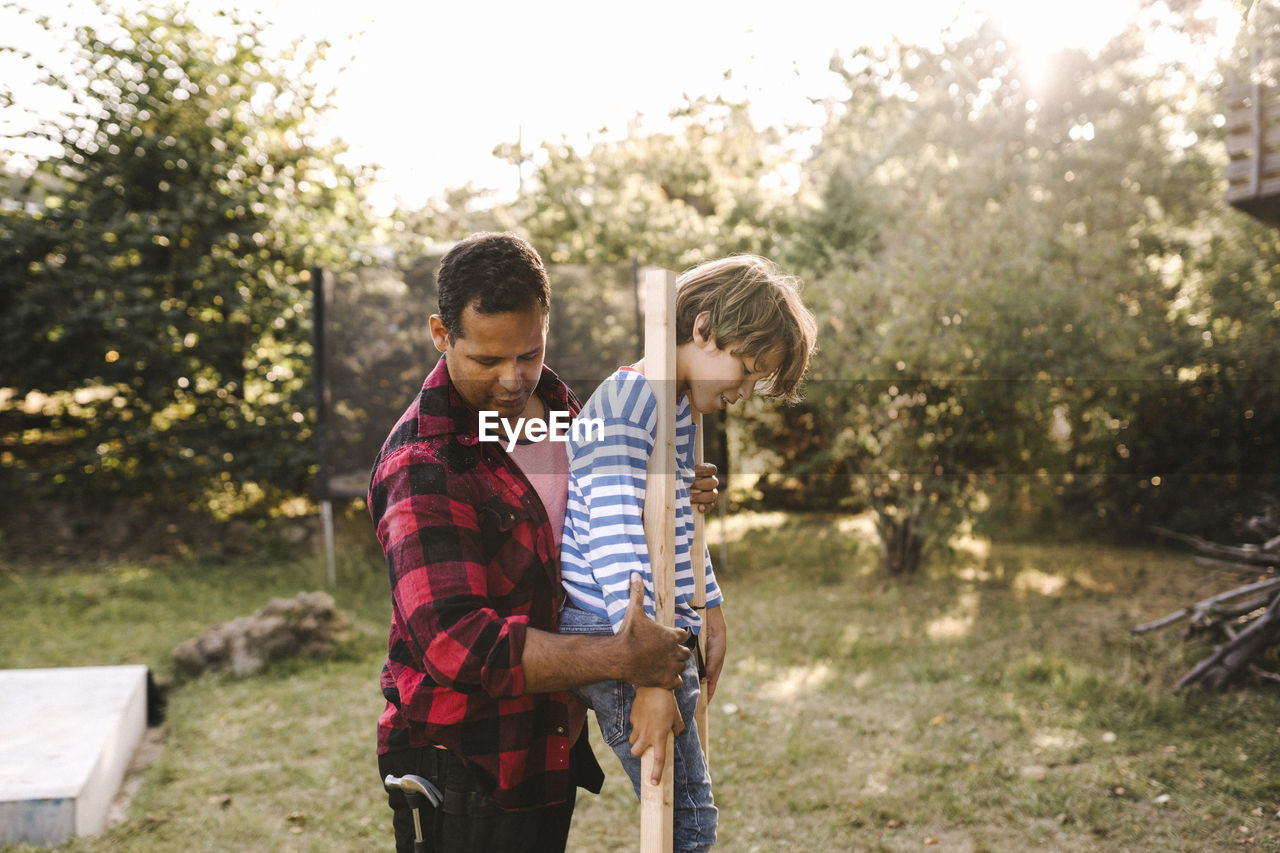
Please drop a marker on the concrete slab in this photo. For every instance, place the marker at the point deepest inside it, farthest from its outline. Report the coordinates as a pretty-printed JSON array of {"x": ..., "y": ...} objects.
[{"x": 66, "y": 738}]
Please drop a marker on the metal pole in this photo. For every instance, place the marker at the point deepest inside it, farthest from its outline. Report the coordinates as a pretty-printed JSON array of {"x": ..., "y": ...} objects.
[
  {"x": 320, "y": 285},
  {"x": 330, "y": 561}
]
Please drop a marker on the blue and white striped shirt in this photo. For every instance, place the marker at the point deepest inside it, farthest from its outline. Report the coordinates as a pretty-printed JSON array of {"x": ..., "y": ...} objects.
[{"x": 604, "y": 521}]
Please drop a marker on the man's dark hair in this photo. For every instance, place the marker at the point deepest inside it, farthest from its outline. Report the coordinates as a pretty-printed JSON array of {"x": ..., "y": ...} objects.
[{"x": 495, "y": 274}]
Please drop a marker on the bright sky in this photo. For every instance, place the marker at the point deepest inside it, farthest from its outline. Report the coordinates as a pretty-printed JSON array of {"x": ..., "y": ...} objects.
[
  {"x": 430, "y": 88},
  {"x": 434, "y": 87}
]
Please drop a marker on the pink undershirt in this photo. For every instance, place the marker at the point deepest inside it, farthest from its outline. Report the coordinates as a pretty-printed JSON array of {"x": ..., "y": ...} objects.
[{"x": 546, "y": 465}]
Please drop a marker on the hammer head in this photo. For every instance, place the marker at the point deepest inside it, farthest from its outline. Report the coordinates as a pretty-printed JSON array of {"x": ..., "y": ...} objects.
[{"x": 414, "y": 787}]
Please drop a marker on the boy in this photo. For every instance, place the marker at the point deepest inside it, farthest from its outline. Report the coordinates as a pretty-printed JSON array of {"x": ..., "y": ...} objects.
[{"x": 740, "y": 325}]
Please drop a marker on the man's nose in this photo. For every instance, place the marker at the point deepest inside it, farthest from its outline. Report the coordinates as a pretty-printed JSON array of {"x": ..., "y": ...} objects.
[{"x": 509, "y": 376}]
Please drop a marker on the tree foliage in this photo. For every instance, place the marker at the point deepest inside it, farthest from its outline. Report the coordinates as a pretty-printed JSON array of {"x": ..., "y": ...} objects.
[
  {"x": 670, "y": 198},
  {"x": 1015, "y": 275},
  {"x": 155, "y": 271},
  {"x": 1198, "y": 448},
  {"x": 999, "y": 268},
  {"x": 1030, "y": 291}
]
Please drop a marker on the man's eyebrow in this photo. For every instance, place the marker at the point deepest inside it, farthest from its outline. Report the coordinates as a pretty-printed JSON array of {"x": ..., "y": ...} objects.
[{"x": 481, "y": 356}]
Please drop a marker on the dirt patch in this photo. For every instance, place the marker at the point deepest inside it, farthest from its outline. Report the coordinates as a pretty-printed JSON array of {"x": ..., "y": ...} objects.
[{"x": 144, "y": 756}]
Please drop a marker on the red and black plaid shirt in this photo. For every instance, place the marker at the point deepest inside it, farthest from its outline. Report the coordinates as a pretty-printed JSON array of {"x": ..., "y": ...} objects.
[{"x": 472, "y": 565}]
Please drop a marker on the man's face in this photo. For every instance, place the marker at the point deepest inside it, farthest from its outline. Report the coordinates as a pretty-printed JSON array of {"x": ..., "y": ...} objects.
[{"x": 496, "y": 359}]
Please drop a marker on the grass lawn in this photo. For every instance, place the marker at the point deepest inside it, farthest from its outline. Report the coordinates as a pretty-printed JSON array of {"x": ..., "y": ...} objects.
[{"x": 998, "y": 704}]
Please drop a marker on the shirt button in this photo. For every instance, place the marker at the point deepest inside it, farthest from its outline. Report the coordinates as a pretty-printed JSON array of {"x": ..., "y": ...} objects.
[{"x": 559, "y": 730}]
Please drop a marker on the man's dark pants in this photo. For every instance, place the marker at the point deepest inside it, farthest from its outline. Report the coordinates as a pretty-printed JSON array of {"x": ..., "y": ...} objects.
[{"x": 468, "y": 821}]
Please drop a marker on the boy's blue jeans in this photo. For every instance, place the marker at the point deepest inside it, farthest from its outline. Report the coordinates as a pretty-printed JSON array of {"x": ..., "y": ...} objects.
[{"x": 695, "y": 811}]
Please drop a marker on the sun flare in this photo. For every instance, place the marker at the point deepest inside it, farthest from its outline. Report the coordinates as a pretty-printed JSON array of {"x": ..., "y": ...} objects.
[{"x": 1039, "y": 31}]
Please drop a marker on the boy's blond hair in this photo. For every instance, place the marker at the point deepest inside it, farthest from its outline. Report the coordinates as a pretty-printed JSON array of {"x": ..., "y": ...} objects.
[{"x": 755, "y": 310}]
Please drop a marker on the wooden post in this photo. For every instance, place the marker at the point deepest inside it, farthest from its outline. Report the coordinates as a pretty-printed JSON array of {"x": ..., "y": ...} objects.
[
  {"x": 698, "y": 561},
  {"x": 657, "y": 801}
]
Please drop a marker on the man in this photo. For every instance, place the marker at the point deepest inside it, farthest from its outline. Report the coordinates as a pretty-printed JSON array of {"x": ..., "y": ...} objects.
[{"x": 476, "y": 674}]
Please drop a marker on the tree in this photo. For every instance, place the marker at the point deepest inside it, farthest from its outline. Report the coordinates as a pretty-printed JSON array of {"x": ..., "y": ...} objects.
[
  {"x": 998, "y": 299},
  {"x": 455, "y": 214},
  {"x": 155, "y": 290},
  {"x": 1207, "y": 443},
  {"x": 674, "y": 199}
]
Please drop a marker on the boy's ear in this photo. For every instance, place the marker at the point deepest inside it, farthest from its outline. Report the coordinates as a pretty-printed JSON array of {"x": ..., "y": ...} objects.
[{"x": 702, "y": 329}]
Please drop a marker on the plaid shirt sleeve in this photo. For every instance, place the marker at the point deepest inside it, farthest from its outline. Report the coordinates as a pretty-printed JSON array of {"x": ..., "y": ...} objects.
[{"x": 440, "y": 585}]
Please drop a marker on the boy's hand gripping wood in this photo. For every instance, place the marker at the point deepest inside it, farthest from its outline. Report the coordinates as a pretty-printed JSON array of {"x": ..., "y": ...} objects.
[{"x": 657, "y": 801}]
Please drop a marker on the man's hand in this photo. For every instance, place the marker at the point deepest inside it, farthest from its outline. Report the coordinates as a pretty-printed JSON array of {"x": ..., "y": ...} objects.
[
  {"x": 642, "y": 652},
  {"x": 705, "y": 489},
  {"x": 654, "y": 715},
  {"x": 654, "y": 655},
  {"x": 717, "y": 645}
]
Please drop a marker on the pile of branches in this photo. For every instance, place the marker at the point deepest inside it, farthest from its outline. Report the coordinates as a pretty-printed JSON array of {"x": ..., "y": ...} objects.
[{"x": 1247, "y": 617}]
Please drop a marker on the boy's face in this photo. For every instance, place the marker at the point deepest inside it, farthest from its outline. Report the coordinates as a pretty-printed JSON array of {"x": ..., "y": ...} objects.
[
  {"x": 717, "y": 378},
  {"x": 496, "y": 359}
]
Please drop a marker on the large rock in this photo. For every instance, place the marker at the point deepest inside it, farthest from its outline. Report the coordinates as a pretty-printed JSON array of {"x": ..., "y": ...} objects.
[{"x": 307, "y": 625}]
